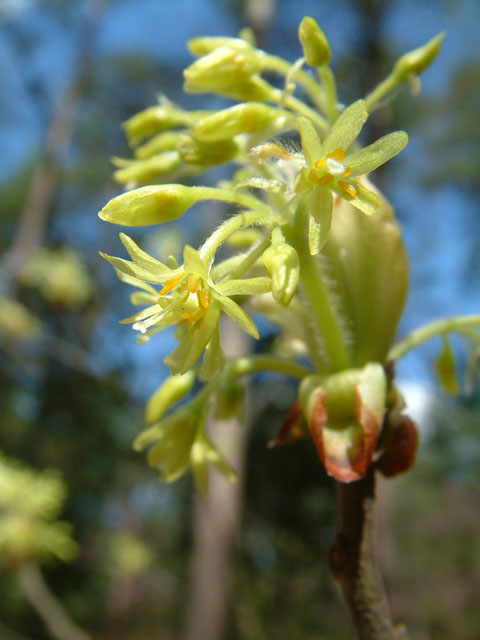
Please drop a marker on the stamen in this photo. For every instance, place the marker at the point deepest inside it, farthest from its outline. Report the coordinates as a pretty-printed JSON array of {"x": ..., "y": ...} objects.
[
  {"x": 338, "y": 154},
  {"x": 325, "y": 179},
  {"x": 350, "y": 189},
  {"x": 204, "y": 298},
  {"x": 171, "y": 284},
  {"x": 347, "y": 172},
  {"x": 193, "y": 283},
  {"x": 192, "y": 317},
  {"x": 313, "y": 176},
  {"x": 321, "y": 163}
]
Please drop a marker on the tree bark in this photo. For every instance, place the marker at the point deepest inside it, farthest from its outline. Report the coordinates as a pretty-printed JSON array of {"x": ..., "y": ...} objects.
[
  {"x": 215, "y": 523},
  {"x": 354, "y": 565}
]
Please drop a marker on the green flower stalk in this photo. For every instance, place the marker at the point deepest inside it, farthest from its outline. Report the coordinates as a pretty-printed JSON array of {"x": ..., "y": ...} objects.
[{"x": 312, "y": 245}]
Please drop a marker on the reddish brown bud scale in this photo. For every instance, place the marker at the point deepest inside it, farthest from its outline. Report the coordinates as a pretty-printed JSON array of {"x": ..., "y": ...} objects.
[{"x": 401, "y": 449}]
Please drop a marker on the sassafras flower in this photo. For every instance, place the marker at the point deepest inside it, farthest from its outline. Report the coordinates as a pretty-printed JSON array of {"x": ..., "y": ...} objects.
[
  {"x": 189, "y": 297},
  {"x": 333, "y": 167}
]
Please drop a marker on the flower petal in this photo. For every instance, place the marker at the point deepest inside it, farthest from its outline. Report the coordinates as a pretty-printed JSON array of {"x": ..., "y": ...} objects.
[
  {"x": 143, "y": 259},
  {"x": 213, "y": 357},
  {"x": 377, "y": 153},
  {"x": 365, "y": 199},
  {"x": 244, "y": 286},
  {"x": 320, "y": 206},
  {"x": 193, "y": 263},
  {"x": 346, "y": 128},
  {"x": 134, "y": 270},
  {"x": 238, "y": 315},
  {"x": 311, "y": 144},
  {"x": 191, "y": 347}
]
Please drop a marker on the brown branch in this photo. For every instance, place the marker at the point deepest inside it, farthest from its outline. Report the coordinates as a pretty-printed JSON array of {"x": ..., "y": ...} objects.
[{"x": 354, "y": 565}]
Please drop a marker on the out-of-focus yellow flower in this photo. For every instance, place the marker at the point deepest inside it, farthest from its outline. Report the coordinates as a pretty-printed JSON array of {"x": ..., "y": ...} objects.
[
  {"x": 30, "y": 502},
  {"x": 16, "y": 321},
  {"x": 60, "y": 275}
]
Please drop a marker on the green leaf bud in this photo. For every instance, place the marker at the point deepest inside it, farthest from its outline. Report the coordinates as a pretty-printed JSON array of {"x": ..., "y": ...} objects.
[
  {"x": 153, "y": 120},
  {"x": 416, "y": 61},
  {"x": 345, "y": 415},
  {"x": 221, "y": 70},
  {"x": 172, "y": 390},
  {"x": 282, "y": 264},
  {"x": 194, "y": 151},
  {"x": 149, "y": 205},
  {"x": 242, "y": 118},
  {"x": 316, "y": 49}
]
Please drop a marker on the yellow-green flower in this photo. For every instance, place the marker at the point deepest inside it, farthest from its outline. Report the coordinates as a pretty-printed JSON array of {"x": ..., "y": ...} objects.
[
  {"x": 333, "y": 167},
  {"x": 188, "y": 297}
]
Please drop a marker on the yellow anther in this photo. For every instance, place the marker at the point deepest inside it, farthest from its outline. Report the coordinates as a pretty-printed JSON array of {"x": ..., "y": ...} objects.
[
  {"x": 193, "y": 283},
  {"x": 321, "y": 163},
  {"x": 170, "y": 284},
  {"x": 313, "y": 176},
  {"x": 204, "y": 298},
  {"x": 325, "y": 179},
  {"x": 350, "y": 189},
  {"x": 192, "y": 317},
  {"x": 347, "y": 172},
  {"x": 338, "y": 154}
]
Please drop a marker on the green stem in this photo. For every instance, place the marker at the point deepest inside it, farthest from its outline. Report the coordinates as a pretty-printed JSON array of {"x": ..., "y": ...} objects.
[
  {"x": 431, "y": 330},
  {"x": 330, "y": 85},
  {"x": 274, "y": 63},
  {"x": 226, "y": 195},
  {"x": 250, "y": 258},
  {"x": 246, "y": 365},
  {"x": 380, "y": 92},
  {"x": 319, "y": 296},
  {"x": 300, "y": 107},
  {"x": 265, "y": 216}
]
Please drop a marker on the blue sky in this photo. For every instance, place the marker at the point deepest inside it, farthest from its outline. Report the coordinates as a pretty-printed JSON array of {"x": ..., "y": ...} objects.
[{"x": 37, "y": 57}]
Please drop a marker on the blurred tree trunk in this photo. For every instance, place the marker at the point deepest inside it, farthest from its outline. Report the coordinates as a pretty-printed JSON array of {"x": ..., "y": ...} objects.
[
  {"x": 46, "y": 605},
  {"x": 46, "y": 175},
  {"x": 216, "y": 521},
  {"x": 217, "y": 517}
]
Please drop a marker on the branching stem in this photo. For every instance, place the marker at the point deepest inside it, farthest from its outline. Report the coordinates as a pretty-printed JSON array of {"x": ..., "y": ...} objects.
[{"x": 432, "y": 330}]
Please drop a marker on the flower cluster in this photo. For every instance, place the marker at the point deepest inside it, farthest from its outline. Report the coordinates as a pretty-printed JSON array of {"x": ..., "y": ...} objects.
[{"x": 313, "y": 246}]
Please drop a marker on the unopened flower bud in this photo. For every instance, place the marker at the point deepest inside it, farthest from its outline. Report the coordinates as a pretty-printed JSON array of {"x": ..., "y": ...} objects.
[
  {"x": 416, "y": 61},
  {"x": 316, "y": 49},
  {"x": 165, "y": 141},
  {"x": 145, "y": 171},
  {"x": 196, "y": 152},
  {"x": 282, "y": 264},
  {"x": 203, "y": 45},
  {"x": 149, "y": 205},
  {"x": 153, "y": 120},
  {"x": 221, "y": 70},
  {"x": 242, "y": 118},
  {"x": 172, "y": 390}
]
